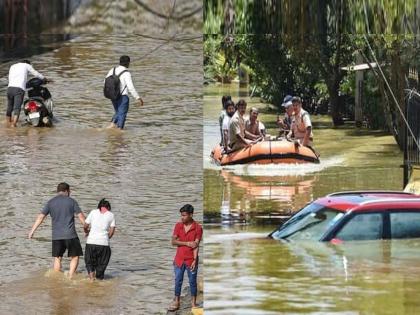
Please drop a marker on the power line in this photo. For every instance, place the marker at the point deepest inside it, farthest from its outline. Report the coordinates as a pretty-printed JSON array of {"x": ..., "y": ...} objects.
[{"x": 164, "y": 16}]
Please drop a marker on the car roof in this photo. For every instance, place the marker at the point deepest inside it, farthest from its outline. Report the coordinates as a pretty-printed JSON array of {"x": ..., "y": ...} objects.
[{"x": 370, "y": 200}]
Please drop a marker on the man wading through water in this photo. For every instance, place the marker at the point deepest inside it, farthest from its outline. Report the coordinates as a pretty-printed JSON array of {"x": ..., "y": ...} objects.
[
  {"x": 117, "y": 85},
  {"x": 62, "y": 209},
  {"x": 18, "y": 75},
  {"x": 186, "y": 236}
]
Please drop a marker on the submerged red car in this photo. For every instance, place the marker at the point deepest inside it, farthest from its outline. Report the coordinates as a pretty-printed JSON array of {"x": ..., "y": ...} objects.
[{"x": 355, "y": 215}]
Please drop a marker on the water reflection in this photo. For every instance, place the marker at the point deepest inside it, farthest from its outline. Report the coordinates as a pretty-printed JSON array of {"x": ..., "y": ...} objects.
[
  {"x": 264, "y": 199},
  {"x": 271, "y": 277}
]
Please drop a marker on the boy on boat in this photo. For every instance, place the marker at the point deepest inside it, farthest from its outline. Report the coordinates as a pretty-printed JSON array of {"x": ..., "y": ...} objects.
[
  {"x": 100, "y": 227},
  {"x": 223, "y": 113},
  {"x": 230, "y": 111}
]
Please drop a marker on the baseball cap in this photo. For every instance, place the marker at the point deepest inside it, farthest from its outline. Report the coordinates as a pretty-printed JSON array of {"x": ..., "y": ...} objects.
[{"x": 287, "y": 101}]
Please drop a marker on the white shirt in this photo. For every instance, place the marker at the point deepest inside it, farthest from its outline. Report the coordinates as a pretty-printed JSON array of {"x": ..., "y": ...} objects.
[
  {"x": 225, "y": 125},
  {"x": 99, "y": 227},
  {"x": 261, "y": 127},
  {"x": 126, "y": 82},
  {"x": 18, "y": 75}
]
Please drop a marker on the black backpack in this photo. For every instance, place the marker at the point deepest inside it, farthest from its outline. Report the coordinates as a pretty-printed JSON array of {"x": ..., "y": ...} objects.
[{"x": 112, "y": 86}]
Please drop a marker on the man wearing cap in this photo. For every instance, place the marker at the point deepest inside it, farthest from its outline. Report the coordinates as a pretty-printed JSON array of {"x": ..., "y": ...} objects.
[
  {"x": 286, "y": 122},
  {"x": 301, "y": 127}
]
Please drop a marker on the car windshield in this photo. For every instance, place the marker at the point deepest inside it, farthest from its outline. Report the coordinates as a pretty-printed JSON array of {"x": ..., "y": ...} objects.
[{"x": 308, "y": 224}]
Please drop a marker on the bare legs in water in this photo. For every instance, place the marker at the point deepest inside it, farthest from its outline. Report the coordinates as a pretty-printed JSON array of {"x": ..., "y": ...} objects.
[{"x": 74, "y": 262}]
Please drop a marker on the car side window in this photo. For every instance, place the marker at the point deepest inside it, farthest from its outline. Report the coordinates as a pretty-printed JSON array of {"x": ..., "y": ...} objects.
[
  {"x": 366, "y": 226},
  {"x": 405, "y": 224}
]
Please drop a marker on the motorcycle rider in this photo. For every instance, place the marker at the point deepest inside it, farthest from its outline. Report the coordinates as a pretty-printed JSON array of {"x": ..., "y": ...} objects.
[{"x": 18, "y": 75}]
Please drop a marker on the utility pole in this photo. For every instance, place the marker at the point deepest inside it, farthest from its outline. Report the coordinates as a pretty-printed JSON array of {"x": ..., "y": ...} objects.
[{"x": 358, "y": 116}]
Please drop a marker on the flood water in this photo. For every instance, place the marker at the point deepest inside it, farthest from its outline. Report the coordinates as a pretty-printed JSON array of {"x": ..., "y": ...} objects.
[
  {"x": 248, "y": 274},
  {"x": 147, "y": 172}
]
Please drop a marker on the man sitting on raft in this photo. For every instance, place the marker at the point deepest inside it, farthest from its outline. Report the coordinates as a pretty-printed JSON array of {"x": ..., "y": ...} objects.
[
  {"x": 230, "y": 111},
  {"x": 253, "y": 127},
  {"x": 237, "y": 128},
  {"x": 222, "y": 115},
  {"x": 301, "y": 127}
]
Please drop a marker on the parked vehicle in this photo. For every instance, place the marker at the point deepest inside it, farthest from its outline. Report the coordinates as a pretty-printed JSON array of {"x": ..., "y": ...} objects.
[
  {"x": 357, "y": 215},
  {"x": 38, "y": 107}
]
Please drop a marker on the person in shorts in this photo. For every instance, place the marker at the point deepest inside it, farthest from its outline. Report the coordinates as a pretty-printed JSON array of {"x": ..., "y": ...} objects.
[
  {"x": 62, "y": 209},
  {"x": 100, "y": 227}
]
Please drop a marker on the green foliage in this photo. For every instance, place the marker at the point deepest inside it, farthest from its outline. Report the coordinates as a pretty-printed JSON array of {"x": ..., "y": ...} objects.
[
  {"x": 310, "y": 42},
  {"x": 373, "y": 107},
  {"x": 216, "y": 66},
  {"x": 274, "y": 77},
  {"x": 321, "y": 91},
  {"x": 213, "y": 17}
]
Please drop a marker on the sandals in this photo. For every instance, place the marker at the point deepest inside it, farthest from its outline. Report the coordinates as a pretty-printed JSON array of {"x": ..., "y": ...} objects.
[{"x": 173, "y": 307}]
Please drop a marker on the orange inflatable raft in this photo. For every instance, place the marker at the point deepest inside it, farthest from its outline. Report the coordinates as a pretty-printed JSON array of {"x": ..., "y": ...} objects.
[{"x": 266, "y": 152}]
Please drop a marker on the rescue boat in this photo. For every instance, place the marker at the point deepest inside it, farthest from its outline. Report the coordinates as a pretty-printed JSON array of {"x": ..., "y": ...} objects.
[{"x": 266, "y": 152}]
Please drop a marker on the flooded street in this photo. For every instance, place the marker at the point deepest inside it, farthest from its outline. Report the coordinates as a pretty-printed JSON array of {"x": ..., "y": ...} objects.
[
  {"x": 147, "y": 172},
  {"x": 248, "y": 274},
  {"x": 350, "y": 160}
]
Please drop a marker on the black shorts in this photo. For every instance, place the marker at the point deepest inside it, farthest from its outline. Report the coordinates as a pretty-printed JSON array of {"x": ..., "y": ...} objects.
[
  {"x": 72, "y": 246},
  {"x": 97, "y": 259}
]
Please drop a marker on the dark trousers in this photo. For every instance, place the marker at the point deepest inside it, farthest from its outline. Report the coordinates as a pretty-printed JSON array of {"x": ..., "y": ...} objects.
[
  {"x": 97, "y": 259},
  {"x": 179, "y": 278},
  {"x": 14, "y": 100},
  {"x": 121, "y": 110}
]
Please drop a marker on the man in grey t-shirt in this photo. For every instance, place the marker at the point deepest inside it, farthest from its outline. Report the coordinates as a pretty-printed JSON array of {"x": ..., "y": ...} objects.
[{"x": 62, "y": 209}]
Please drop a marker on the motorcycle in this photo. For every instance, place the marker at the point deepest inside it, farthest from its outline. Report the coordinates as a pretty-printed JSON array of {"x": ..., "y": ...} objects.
[{"x": 38, "y": 107}]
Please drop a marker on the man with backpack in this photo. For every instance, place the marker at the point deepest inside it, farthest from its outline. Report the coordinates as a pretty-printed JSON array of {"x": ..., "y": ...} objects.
[{"x": 117, "y": 85}]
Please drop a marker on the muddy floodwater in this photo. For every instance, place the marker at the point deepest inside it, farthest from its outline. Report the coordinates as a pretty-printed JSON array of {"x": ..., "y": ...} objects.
[
  {"x": 147, "y": 172},
  {"x": 249, "y": 274}
]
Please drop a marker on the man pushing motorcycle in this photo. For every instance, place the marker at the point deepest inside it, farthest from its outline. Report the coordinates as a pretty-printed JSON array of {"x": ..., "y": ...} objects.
[{"x": 18, "y": 75}]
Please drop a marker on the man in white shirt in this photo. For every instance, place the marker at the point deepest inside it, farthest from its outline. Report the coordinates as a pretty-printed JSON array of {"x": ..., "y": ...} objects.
[
  {"x": 18, "y": 75},
  {"x": 100, "y": 227},
  {"x": 126, "y": 85},
  {"x": 230, "y": 111}
]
